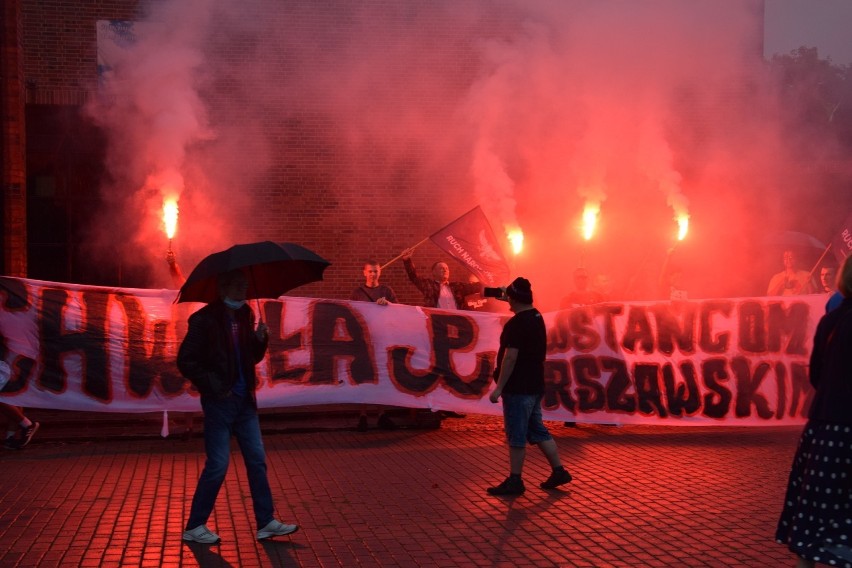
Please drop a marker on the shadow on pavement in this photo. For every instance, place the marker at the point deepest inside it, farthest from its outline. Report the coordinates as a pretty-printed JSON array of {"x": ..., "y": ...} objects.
[
  {"x": 280, "y": 553},
  {"x": 206, "y": 556}
]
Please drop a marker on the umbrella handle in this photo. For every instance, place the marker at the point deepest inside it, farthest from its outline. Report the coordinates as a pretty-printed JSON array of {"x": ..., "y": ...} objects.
[{"x": 257, "y": 300}]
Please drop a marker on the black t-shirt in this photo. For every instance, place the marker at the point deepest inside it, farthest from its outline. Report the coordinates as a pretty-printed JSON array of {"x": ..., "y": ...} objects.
[
  {"x": 365, "y": 294},
  {"x": 526, "y": 333}
]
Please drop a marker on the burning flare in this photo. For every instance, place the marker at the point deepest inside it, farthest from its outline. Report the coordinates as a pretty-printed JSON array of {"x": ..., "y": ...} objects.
[
  {"x": 516, "y": 237},
  {"x": 170, "y": 216},
  {"x": 590, "y": 219},
  {"x": 682, "y": 225}
]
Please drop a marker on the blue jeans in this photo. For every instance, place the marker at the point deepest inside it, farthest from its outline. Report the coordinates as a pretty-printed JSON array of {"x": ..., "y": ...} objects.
[
  {"x": 235, "y": 416},
  {"x": 522, "y": 420}
]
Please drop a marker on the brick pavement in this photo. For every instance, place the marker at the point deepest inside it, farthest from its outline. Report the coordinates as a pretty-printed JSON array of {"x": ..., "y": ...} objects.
[{"x": 642, "y": 496}]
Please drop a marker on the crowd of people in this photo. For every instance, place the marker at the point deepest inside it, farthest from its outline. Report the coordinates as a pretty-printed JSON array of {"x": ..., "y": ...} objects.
[
  {"x": 224, "y": 343},
  {"x": 671, "y": 284}
]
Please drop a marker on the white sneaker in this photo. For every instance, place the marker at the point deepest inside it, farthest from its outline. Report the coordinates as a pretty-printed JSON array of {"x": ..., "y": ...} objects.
[
  {"x": 201, "y": 534},
  {"x": 276, "y": 528}
]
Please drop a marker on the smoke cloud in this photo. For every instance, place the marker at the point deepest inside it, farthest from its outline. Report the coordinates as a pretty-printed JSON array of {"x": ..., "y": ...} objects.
[{"x": 532, "y": 109}]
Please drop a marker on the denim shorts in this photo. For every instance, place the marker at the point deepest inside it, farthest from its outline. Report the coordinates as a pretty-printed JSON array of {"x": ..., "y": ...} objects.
[{"x": 522, "y": 420}]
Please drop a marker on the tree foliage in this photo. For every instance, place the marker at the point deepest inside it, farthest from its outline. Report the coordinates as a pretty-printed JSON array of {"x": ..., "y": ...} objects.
[{"x": 816, "y": 95}]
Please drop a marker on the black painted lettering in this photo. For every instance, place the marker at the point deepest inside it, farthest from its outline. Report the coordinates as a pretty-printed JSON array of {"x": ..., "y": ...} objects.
[
  {"x": 557, "y": 386},
  {"x": 638, "y": 330},
  {"x": 648, "y": 392},
  {"x": 618, "y": 397},
  {"x": 584, "y": 338},
  {"x": 752, "y": 327},
  {"x": 450, "y": 333},
  {"x": 709, "y": 342},
  {"x": 590, "y": 393},
  {"x": 608, "y": 312},
  {"x": 748, "y": 384},
  {"x": 338, "y": 334},
  {"x": 802, "y": 394},
  {"x": 791, "y": 323},
  {"x": 715, "y": 374},
  {"x": 684, "y": 397},
  {"x": 89, "y": 344},
  {"x": 780, "y": 389},
  {"x": 675, "y": 325},
  {"x": 143, "y": 372}
]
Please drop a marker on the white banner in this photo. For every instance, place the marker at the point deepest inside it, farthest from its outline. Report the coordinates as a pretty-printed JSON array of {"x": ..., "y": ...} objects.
[{"x": 739, "y": 361}]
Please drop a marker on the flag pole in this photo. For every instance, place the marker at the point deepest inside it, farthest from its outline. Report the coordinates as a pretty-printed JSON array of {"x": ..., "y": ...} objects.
[
  {"x": 400, "y": 255},
  {"x": 818, "y": 262},
  {"x": 394, "y": 259}
]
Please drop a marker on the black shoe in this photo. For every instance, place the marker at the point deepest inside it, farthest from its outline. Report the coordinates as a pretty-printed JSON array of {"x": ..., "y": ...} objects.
[
  {"x": 385, "y": 423},
  {"x": 27, "y": 434},
  {"x": 362, "y": 424},
  {"x": 556, "y": 479},
  {"x": 451, "y": 414},
  {"x": 510, "y": 486}
]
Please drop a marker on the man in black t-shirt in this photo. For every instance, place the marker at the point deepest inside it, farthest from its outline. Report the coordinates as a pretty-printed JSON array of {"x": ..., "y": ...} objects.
[
  {"x": 520, "y": 382},
  {"x": 371, "y": 290}
]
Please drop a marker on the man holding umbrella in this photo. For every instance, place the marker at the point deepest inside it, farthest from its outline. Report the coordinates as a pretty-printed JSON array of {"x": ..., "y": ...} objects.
[
  {"x": 218, "y": 355},
  {"x": 791, "y": 281}
]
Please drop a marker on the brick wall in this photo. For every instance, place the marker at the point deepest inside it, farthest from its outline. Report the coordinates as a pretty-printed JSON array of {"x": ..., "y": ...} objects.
[
  {"x": 60, "y": 52},
  {"x": 345, "y": 204},
  {"x": 13, "y": 204}
]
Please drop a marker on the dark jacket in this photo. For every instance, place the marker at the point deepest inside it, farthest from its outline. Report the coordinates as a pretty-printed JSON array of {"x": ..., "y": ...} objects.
[
  {"x": 207, "y": 357},
  {"x": 831, "y": 366},
  {"x": 431, "y": 288}
]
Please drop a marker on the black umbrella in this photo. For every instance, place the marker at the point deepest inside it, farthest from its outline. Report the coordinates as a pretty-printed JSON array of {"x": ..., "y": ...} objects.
[{"x": 272, "y": 269}]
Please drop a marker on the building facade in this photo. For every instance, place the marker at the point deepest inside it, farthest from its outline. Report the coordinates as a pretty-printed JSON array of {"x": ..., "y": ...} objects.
[{"x": 355, "y": 129}]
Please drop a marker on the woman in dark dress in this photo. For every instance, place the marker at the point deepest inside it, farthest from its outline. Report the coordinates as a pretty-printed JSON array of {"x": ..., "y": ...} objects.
[{"x": 816, "y": 522}]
